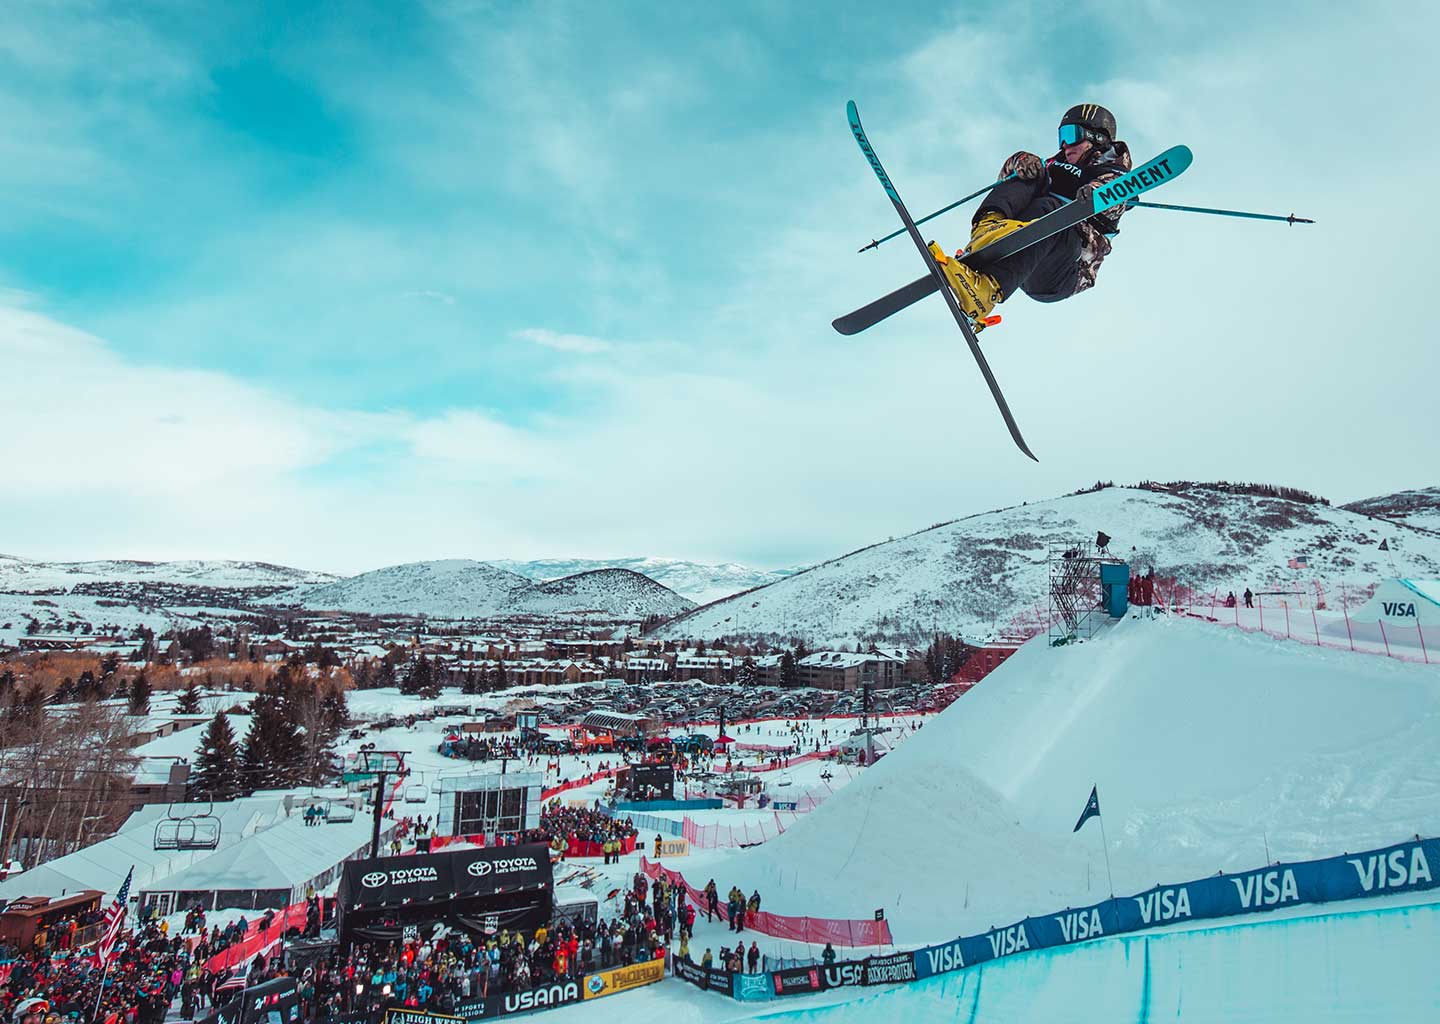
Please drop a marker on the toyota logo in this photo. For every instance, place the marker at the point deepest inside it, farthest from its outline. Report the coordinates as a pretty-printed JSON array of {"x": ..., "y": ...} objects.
[
  {"x": 478, "y": 868},
  {"x": 374, "y": 879}
]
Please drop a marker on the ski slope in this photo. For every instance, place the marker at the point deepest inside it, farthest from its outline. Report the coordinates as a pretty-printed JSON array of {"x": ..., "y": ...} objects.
[{"x": 1212, "y": 749}]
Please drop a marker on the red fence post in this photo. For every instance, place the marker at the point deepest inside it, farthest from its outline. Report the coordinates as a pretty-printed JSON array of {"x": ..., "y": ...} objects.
[
  {"x": 1262, "y": 614},
  {"x": 1348, "y": 631},
  {"x": 1423, "y": 652},
  {"x": 1384, "y": 637},
  {"x": 1316, "y": 623},
  {"x": 1286, "y": 605}
]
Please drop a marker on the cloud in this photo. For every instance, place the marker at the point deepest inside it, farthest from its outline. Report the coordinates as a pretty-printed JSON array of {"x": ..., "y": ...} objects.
[{"x": 563, "y": 342}]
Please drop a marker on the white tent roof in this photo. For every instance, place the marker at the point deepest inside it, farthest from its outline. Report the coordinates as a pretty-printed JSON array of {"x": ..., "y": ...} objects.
[
  {"x": 283, "y": 857},
  {"x": 104, "y": 865}
]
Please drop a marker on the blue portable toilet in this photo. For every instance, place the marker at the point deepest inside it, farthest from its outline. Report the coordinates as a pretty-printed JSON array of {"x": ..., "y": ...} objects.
[{"x": 1115, "y": 587}]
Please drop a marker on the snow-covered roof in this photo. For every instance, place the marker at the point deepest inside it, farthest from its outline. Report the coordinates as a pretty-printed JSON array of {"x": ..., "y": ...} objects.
[{"x": 287, "y": 855}]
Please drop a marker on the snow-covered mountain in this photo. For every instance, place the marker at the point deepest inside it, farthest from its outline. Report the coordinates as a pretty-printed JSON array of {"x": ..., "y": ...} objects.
[
  {"x": 697, "y": 581},
  {"x": 973, "y": 575},
  {"x": 460, "y": 588},
  {"x": 1420, "y": 508},
  {"x": 20, "y": 575}
]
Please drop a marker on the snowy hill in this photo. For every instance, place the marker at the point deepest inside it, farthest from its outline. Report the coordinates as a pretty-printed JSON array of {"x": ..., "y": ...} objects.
[
  {"x": 1419, "y": 508},
  {"x": 611, "y": 591},
  {"x": 973, "y": 575},
  {"x": 697, "y": 581},
  {"x": 452, "y": 588},
  {"x": 459, "y": 589},
  {"x": 1211, "y": 749}
]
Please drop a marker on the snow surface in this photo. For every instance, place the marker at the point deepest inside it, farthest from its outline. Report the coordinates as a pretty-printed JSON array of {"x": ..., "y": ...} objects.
[
  {"x": 1212, "y": 749},
  {"x": 972, "y": 576}
]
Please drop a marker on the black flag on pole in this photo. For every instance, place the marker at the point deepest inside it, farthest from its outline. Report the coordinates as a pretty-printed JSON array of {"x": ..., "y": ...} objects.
[
  {"x": 1092, "y": 809},
  {"x": 1385, "y": 544}
]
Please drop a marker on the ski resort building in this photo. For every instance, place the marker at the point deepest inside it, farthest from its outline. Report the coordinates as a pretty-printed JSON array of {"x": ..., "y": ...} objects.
[{"x": 841, "y": 670}]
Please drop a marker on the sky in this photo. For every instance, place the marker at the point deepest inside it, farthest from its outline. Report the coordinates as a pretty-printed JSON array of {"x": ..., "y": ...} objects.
[{"x": 348, "y": 285}]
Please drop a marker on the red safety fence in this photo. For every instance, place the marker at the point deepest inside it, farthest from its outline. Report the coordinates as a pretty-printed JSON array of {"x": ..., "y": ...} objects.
[
  {"x": 257, "y": 940},
  {"x": 1313, "y": 626},
  {"x": 574, "y": 847},
  {"x": 817, "y": 930},
  {"x": 549, "y": 794}
]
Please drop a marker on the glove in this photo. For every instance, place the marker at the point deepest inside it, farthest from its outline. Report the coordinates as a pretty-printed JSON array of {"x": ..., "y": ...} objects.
[
  {"x": 1026, "y": 166},
  {"x": 1086, "y": 192}
]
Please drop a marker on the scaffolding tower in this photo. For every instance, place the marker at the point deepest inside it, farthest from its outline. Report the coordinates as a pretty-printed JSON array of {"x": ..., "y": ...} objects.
[{"x": 1077, "y": 602}]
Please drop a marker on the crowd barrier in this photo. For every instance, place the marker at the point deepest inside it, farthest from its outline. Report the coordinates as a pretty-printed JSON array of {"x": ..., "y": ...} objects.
[
  {"x": 819, "y": 930},
  {"x": 1403, "y": 867},
  {"x": 708, "y": 804},
  {"x": 549, "y": 794},
  {"x": 648, "y": 822},
  {"x": 1320, "y": 629},
  {"x": 257, "y": 940},
  {"x": 543, "y": 997}
]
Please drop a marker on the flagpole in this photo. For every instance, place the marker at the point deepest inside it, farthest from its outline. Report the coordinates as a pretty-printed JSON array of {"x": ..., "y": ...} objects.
[
  {"x": 101, "y": 994},
  {"x": 1106, "y": 841}
]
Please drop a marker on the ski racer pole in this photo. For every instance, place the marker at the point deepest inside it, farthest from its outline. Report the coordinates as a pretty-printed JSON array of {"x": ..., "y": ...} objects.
[
  {"x": 895, "y": 234},
  {"x": 1292, "y": 219}
]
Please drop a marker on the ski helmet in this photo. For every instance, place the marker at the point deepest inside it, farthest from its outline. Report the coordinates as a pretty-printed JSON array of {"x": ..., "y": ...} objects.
[{"x": 1092, "y": 118}]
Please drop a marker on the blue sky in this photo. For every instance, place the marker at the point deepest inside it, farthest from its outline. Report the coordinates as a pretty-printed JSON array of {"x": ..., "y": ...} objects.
[{"x": 349, "y": 284}]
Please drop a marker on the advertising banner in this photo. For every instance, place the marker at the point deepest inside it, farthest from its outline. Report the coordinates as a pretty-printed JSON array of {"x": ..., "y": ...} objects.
[
  {"x": 752, "y": 986},
  {"x": 619, "y": 979},
  {"x": 887, "y": 970},
  {"x": 796, "y": 981},
  {"x": 1404, "y": 867},
  {"x": 398, "y": 1015},
  {"x": 542, "y": 998},
  {"x": 674, "y": 848},
  {"x": 843, "y": 973},
  {"x": 715, "y": 979},
  {"x": 471, "y": 1009}
]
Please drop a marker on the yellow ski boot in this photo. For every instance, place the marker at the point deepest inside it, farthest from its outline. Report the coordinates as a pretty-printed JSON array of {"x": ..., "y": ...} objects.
[
  {"x": 991, "y": 226},
  {"x": 976, "y": 290}
]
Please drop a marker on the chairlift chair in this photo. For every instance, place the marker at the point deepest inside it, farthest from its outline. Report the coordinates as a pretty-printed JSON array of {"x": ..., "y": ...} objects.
[{"x": 188, "y": 831}]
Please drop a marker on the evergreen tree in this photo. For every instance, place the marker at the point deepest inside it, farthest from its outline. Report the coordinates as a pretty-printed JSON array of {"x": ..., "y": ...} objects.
[
  {"x": 419, "y": 677},
  {"x": 273, "y": 750},
  {"x": 386, "y": 675},
  {"x": 500, "y": 680},
  {"x": 87, "y": 687},
  {"x": 745, "y": 674},
  {"x": 189, "y": 702},
  {"x": 472, "y": 684},
  {"x": 217, "y": 763},
  {"x": 789, "y": 674},
  {"x": 140, "y": 695}
]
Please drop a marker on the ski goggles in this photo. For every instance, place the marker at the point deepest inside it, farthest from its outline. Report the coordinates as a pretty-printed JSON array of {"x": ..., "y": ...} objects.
[{"x": 1073, "y": 134}]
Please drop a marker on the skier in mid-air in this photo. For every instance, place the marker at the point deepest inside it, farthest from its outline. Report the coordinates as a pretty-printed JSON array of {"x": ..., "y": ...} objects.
[{"x": 1064, "y": 264}]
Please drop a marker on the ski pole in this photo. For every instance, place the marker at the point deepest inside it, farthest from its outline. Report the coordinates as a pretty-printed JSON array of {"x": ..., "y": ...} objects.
[
  {"x": 895, "y": 234},
  {"x": 1292, "y": 219}
]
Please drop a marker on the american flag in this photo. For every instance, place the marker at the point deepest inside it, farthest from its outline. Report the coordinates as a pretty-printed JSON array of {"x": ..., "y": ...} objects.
[
  {"x": 115, "y": 920},
  {"x": 1299, "y": 562}
]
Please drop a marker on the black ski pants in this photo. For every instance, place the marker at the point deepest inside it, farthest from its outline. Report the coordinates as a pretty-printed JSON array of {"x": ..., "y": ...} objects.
[{"x": 1047, "y": 271}]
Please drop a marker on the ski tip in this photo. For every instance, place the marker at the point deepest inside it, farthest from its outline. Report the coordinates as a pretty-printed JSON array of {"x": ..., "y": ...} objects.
[{"x": 843, "y": 327}]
